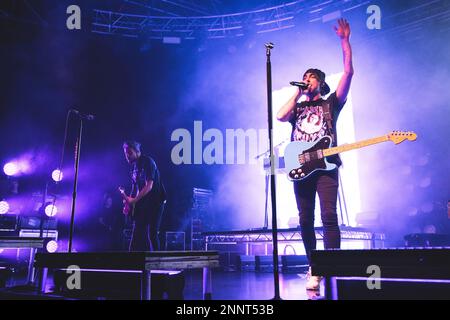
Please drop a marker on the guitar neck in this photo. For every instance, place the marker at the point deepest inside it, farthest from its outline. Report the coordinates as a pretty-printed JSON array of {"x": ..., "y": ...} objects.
[{"x": 355, "y": 145}]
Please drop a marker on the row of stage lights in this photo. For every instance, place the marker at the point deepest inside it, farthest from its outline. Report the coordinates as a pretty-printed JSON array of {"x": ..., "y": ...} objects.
[
  {"x": 51, "y": 246},
  {"x": 13, "y": 169}
]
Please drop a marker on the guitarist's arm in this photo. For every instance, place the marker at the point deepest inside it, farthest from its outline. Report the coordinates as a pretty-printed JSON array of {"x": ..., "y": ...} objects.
[
  {"x": 343, "y": 31},
  {"x": 142, "y": 193},
  {"x": 285, "y": 112}
]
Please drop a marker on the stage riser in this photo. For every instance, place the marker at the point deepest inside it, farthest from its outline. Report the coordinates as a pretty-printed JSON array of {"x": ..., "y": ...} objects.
[
  {"x": 120, "y": 285},
  {"x": 230, "y": 253},
  {"x": 398, "y": 290},
  {"x": 263, "y": 263},
  {"x": 423, "y": 273}
]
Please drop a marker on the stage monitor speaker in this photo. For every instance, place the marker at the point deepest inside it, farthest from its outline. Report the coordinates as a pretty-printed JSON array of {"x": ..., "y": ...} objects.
[
  {"x": 427, "y": 240},
  {"x": 31, "y": 222},
  {"x": 8, "y": 222},
  {"x": 175, "y": 241},
  {"x": 356, "y": 289}
]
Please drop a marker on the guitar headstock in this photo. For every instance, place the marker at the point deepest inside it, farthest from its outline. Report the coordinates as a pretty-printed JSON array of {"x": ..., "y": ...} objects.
[
  {"x": 400, "y": 136},
  {"x": 122, "y": 190}
]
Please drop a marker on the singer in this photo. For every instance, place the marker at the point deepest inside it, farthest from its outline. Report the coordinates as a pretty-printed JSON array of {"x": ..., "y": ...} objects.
[{"x": 312, "y": 119}]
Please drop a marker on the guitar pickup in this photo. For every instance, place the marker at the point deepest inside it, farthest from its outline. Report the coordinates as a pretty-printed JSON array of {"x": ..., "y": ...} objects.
[
  {"x": 301, "y": 159},
  {"x": 307, "y": 157},
  {"x": 319, "y": 154}
]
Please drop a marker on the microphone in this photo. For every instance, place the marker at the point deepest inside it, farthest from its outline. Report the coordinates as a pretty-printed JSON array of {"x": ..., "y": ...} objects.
[
  {"x": 84, "y": 116},
  {"x": 301, "y": 84}
]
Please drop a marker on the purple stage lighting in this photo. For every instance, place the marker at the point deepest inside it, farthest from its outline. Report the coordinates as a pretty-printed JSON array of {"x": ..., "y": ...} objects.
[
  {"x": 57, "y": 175},
  {"x": 11, "y": 169},
  {"x": 52, "y": 246},
  {"x": 51, "y": 210},
  {"x": 4, "y": 207}
]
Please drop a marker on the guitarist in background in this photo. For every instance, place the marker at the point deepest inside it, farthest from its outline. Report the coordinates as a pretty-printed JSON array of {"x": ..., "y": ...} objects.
[
  {"x": 147, "y": 200},
  {"x": 311, "y": 120}
]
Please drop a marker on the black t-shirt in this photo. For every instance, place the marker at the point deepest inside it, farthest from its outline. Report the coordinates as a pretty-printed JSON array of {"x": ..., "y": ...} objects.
[
  {"x": 310, "y": 123},
  {"x": 145, "y": 169}
]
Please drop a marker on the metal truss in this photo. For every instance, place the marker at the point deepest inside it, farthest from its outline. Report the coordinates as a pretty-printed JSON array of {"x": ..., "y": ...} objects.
[
  {"x": 284, "y": 235},
  {"x": 175, "y": 20},
  {"x": 22, "y": 11},
  {"x": 164, "y": 22},
  {"x": 416, "y": 21}
]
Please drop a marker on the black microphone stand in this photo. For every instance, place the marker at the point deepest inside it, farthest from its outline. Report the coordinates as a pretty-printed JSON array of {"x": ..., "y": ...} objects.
[
  {"x": 75, "y": 183},
  {"x": 276, "y": 279},
  {"x": 42, "y": 211}
]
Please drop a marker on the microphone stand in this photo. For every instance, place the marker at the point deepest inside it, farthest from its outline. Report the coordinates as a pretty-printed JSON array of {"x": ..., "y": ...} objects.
[
  {"x": 276, "y": 279},
  {"x": 42, "y": 213},
  {"x": 75, "y": 183},
  {"x": 266, "y": 185}
]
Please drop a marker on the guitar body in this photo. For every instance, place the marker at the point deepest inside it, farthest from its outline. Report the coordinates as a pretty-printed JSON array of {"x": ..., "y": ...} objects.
[
  {"x": 128, "y": 209},
  {"x": 301, "y": 159}
]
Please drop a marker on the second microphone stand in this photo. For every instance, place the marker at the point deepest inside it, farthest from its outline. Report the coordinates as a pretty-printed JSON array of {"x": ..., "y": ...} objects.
[{"x": 75, "y": 183}]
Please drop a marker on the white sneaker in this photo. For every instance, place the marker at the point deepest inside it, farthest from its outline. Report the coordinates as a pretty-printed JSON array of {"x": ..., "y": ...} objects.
[{"x": 313, "y": 282}]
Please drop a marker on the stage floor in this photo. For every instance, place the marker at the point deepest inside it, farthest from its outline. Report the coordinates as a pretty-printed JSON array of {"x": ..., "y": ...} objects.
[
  {"x": 241, "y": 285},
  {"x": 237, "y": 285}
]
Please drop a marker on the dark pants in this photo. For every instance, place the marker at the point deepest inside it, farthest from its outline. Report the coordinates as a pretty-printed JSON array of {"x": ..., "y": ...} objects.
[
  {"x": 145, "y": 235},
  {"x": 326, "y": 184}
]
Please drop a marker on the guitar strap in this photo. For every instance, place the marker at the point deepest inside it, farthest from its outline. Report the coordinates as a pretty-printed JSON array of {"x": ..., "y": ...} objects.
[{"x": 328, "y": 117}]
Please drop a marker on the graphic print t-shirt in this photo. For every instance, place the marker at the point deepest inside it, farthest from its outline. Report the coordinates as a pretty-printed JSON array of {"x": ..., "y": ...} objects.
[{"x": 309, "y": 123}]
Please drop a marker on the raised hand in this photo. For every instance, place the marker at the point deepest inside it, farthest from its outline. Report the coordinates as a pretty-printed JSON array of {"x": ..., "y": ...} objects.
[{"x": 343, "y": 29}]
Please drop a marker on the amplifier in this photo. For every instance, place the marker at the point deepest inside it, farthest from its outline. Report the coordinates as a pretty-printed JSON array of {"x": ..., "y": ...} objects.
[
  {"x": 30, "y": 222},
  {"x": 294, "y": 263},
  {"x": 175, "y": 241},
  {"x": 8, "y": 222}
]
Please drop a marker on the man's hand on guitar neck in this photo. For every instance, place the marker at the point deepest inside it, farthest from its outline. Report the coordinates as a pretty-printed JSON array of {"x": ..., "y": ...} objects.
[
  {"x": 130, "y": 200},
  {"x": 127, "y": 199}
]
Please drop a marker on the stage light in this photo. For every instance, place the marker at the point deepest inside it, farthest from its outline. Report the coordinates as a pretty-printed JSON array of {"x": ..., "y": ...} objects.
[
  {"x": 412, "y": 212},
  {"x": 425, "y": 182},
  {"x": 17, "y": 167},
  {"x": 57, "y": 175},
  {"x": 429, "y": 229},
  {"x": 52, "y": 246},
  {"x": 11, "y": 169},
  {"x": 427, "y": 207},
  {"x": 4, "y": 207},
  {"x": 51, "y": 210}
]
